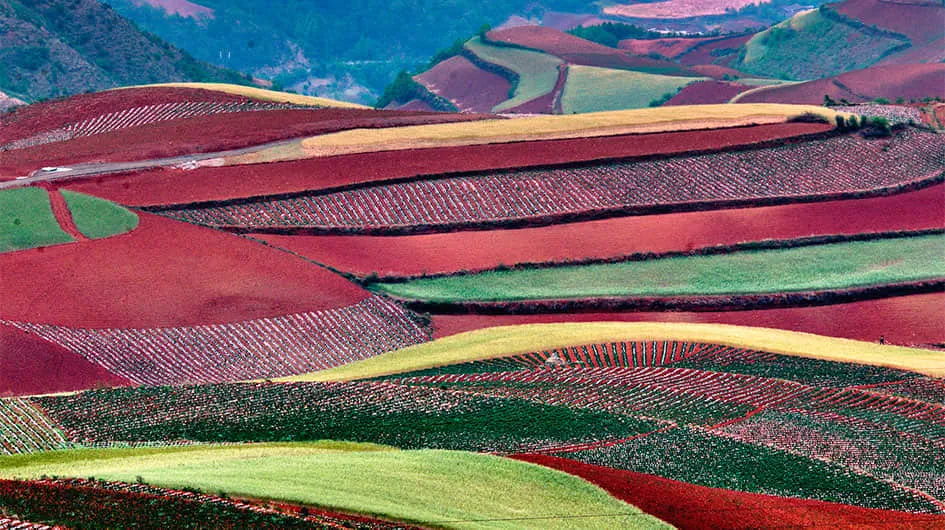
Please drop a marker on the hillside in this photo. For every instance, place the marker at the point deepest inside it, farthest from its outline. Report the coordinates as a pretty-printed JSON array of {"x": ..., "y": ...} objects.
[
  {"x": 53, "y": 48},
  {"x": 846, "y": 36}
]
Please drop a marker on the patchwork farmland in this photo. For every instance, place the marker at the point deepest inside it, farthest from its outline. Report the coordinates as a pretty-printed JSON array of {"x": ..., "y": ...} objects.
[{"x": 698, "y": 316}]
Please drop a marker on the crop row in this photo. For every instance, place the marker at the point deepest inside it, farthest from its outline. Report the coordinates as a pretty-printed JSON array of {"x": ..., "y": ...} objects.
[
  {"x": 697, "y": 456},
  {"x": 672, "y": 394},
  {"x": 813, "y": 372},
  {"x": 93, "y": 505},
  {"x": 605, "y": 355},
  {"x": 407, "y": 417},
  {"x": 138, "y": 116},
  {"x": 911, "y": 416},
  {"x": 26, "y": 429},
  {"x": 13, "y": 524},
  {"x": 254, "y": 349},
  {"x": 911, "y": 461},
  {"x": 845, "y": 164}
]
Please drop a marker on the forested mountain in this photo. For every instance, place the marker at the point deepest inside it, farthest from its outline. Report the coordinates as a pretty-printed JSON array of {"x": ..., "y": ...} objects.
[
  {"x": 349, "y": 50},
  {"x": 53, "y": 48}
]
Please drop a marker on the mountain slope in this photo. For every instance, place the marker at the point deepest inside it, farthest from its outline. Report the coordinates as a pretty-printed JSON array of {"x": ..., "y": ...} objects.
[{"x": 54, "y": 48}]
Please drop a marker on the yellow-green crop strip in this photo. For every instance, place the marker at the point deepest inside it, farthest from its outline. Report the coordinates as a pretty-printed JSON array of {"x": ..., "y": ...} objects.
[{"x": 447, "y": 489}]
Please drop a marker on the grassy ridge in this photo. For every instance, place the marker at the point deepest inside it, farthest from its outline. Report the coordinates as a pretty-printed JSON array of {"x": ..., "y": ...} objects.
[
  {"x": 813, "y": 268},
  {"x": 27, "y": 221},
  {"x": 812, "y": 46},
  {"x": 442, "y": 488},
  {"x": 97, "y": 218},
  {"x": 508, "y": 340},
  {"x": 591, "y": 89},
  {"x": 538, "y": 72}
]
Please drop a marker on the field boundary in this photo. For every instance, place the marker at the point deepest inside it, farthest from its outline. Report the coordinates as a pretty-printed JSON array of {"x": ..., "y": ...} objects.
[
  {"x": 765, "y": 244},
  {"x": 562, "y": 218},
  {"x": 765, "y": 144},
  {"x": 677, "y": 303}
]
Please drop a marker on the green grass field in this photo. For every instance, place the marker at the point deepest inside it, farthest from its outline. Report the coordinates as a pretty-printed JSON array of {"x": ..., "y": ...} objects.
[
  {"x": 538, "y": 72},
  {"x": 509, "y": 340},
  {"x": 27, "y": 221},
  {"x": 438, "y": 488},
  {"x": 812, "y": 268},
  {"x": 811, "y": 46},
  {"x": 97, "y": 218},
  {"x": 592, "y": 89}
]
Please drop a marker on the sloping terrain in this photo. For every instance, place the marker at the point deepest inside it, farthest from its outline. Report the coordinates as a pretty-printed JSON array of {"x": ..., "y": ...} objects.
[
  {"x": 906, "y": 83},
  {"x": 55, "y": 48}
]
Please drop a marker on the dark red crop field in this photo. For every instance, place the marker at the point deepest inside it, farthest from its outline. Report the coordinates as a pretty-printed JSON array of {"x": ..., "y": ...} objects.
[
  {"x": 698, "y": 507},
  {"x": 575, "y": 50},
  {"x": 905, "y": 320},
  {"x": 40, "y": 117},
  {"x": 32, "y": 365},
  {"x": 164, "y": 273},
  {"x": 475, "y": 250},
  {"x": 707, "y": 92},
  {"x": 208, "y": 134},
  {"x": 460, "y": 81},
  {"x": 922, "y": 21},
  {"x": 173, "y": 186},
  {"x": 859, "y": 86}
]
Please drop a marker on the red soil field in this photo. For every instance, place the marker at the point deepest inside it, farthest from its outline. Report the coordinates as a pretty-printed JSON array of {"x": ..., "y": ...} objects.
[
  {"x": 164, "y": 273},
  {"x": 469, "y": 87},
  {"x": 698, "y": 507},
  {"x": 889, "y": 81},
  {"x": 921, "y": 21},
  {"x": 718, "y": 72},
  {"x": 905, "y": 320},
  {"x": 477, "y": 250},
  {"x": 575, "y": 50},
  {"x": 32, "y": 365},
  {"x": 41, "y": 117},
  {"x": 173, "y": 186},
  {"x": 706, "y": 92},
  {"x": 702, "y": 52},
  {"x": 933, "y": 52},
  {"x": 671, "y": 47},
  {"x": 210, "y": 134}
]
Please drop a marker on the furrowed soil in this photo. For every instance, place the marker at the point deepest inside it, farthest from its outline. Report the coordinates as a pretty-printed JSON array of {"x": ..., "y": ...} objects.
[
  {"x": 478, "y": 250},
  {"x": 32, "y": 365}
]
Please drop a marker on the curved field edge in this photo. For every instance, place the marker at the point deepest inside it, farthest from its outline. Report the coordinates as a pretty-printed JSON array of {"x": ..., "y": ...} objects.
[
  {"x": 692, "y": 506},
  {"x": 595, "y": 124},
  {"x": 98, "y": 218},
  {"x": 257, "y": 93},
  {"x": 503, "y": 341},
  {"x": 822, "y": 267},
  {"x": 358, "y": 478}
]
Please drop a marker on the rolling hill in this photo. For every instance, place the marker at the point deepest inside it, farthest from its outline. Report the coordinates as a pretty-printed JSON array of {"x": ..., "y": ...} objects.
[{"x": 53, "y": 48}]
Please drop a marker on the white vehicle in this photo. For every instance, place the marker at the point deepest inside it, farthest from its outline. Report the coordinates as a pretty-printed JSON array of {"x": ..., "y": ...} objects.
[
  {"x": 53, "y": 169},
  {"x": 21, "y": 178}
]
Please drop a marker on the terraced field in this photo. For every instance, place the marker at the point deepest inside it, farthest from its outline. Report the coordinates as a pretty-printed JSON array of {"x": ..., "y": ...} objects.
[
  {"x": 832, "y": 168},
  {"x": 537, "y": 72}
]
